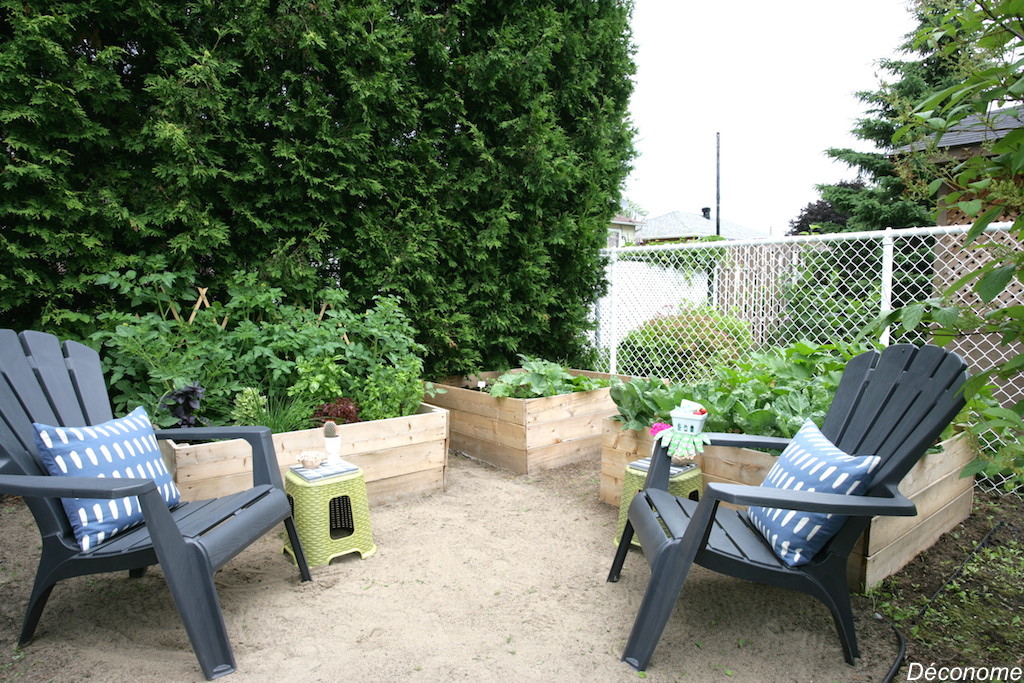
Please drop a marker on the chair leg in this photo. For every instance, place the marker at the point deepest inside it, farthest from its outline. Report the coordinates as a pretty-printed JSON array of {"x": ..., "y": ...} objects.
[
  {"x": 668, "y": 573},
  {"x": 620, "y": 553},
  {"x": 190, "y": 579},
  {"x": 36, "y": 602},
  {"x": 837, "y": 599},
  {"x": 300, "y": 556}
]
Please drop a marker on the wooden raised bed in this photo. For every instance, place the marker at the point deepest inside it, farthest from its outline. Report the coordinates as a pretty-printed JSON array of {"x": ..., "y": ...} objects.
[
  {"x": 942, "y": 498},
  {"x": 525, "y": 435},
  {"x": 400, "y": 457}
]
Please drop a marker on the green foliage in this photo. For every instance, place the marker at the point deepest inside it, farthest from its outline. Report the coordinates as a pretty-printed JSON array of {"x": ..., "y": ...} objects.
[
  {"x": 464, "y": 157},
  {"x": 686, "y": 346},
  {"x": 642, "y": 402},
  {"x": 391, "y": 390},
  {"x": 255, "y": 339},
  {"x": 773, "y": 392},
  {"x": 278, "y": 412},
  {"x": 539, "y": 377},
  {"x": 985, "y": 186}
]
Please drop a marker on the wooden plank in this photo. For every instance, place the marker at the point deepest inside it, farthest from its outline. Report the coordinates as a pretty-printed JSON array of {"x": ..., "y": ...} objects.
[
  {"x": 735, "y": 465},
  {"x": 885, "y": 530},
  {"x": 475, "y": 402},
  {"x": 486, "y": 431},
  {"x": 956, "y": 453},
  {"x": 412, "y": 485},
  {"x": 564, "y": 453},
  {"x": 556, "y": 408},
  {"x": 507, "y": 457},
  {"x": 619, "y": 447},
  {"x": 864, "y": 573},
  {"x": 567, "y": 429}
]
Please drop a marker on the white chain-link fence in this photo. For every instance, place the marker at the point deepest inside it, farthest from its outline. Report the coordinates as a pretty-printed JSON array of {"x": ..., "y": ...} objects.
[{"x": 677, "y": 311}]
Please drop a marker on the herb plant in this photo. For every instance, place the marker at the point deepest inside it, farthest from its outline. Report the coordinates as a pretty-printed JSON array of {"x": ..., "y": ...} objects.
[{"x": 183, "y": 404}]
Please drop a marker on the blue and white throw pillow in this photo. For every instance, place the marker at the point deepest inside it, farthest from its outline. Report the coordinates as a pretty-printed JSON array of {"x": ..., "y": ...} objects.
[
  {"x": 122, "y": 448},
  {"x": 810, "y": 463}
]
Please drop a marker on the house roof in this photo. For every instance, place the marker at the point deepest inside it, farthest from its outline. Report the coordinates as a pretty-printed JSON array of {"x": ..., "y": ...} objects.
[
  {"x": 976, "y": 129},
  {"x": 679, "y": 225},
  {"x": 619, "y": 219}
]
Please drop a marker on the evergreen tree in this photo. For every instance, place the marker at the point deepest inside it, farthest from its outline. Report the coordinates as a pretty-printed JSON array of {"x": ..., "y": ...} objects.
[{"x": 466, "y": 156}]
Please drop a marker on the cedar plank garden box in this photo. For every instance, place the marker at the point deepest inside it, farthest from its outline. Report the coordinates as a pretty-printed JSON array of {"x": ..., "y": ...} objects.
[
  {"x": 942, "y": 497},
  {"x": 525, "y": 435},
  {"x": 401, "y": 457}
]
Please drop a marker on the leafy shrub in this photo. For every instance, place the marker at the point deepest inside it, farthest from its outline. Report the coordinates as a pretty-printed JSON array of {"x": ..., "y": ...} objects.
[
  {"x": 542, "y": 378},
  {"x": 255, "y": 339},
  {"x": 684, "y": 347}
]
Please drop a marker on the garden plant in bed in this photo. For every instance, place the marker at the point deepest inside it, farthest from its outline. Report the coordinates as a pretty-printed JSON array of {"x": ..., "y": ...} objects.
[
  {"x": 253, "y": 358},
  {"x": 772, "y": 393},
  {"x": 535, "y": 417}
]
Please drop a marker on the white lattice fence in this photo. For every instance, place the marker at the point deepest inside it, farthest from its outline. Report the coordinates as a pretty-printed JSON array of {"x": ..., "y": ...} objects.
[{"x": 676, "y": 311}]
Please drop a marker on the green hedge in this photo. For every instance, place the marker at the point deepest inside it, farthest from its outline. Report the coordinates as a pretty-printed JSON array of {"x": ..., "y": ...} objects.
[{"x": 465, "y": 157}]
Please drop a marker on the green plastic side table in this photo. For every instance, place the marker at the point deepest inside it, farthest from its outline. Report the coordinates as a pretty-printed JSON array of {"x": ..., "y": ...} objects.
[
  {"x": 332, "y": 516},
  {"x": 686, "y": 484}
]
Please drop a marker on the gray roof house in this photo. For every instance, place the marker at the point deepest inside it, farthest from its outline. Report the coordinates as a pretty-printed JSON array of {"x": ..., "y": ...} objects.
[{"x": 679, "y": 225}]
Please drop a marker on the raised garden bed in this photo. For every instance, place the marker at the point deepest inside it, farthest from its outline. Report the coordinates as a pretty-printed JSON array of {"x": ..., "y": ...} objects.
[
  {"x": 942, "y": 498},
  {"x": 525, "y": 435},
  {"x": 400, "y": 457}
]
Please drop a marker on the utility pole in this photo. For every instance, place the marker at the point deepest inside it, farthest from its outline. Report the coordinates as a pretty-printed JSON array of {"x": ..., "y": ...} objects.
[{"x": 718, "y": 184}]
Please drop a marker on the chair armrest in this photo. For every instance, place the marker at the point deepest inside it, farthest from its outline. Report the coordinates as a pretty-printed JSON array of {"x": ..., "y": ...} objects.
[
  {"x": 771, "y": 443},
  {"x": 265, "y": 469},
  {"x": 837, "y": 503},
  {"x": 73, "y": 487}
]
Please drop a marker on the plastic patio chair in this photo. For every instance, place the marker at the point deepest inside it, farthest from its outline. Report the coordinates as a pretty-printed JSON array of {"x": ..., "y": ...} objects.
[
  {"x": 893, "y": 404},
  {"x": 62, "y": 385}
]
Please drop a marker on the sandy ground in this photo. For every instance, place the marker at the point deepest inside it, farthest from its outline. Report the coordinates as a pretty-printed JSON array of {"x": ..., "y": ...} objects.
[{"x": 501, "y": 577}]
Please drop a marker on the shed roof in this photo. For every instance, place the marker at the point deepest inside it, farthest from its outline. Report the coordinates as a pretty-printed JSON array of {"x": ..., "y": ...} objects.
[{"x": 976, "y": 129}]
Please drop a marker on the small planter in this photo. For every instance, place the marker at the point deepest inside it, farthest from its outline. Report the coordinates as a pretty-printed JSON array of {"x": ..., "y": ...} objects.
[
  {"x": 942, "y": 498},
  {"x": 525, "y": 435},
  {"x": 400, "y": 457}
]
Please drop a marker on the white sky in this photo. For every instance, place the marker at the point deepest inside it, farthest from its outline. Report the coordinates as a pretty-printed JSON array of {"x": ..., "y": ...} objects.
[{"x": 777, "y": 80}]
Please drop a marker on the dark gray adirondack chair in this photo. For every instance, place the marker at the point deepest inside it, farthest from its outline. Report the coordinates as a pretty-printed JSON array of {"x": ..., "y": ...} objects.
[
  {"x": 894, "y": 405},
  {"x": 43, "y": 381}
]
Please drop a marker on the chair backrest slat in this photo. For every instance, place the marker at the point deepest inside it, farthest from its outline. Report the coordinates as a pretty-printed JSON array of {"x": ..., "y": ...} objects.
[
  {"x": 47, "y": 358},
  {"x": 42, "y": 382},
  {"x": 86, "y": 374}
]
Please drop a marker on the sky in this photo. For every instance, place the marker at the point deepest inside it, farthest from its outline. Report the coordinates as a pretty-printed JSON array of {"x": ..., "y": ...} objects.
[{"x": 777, "y": 81}]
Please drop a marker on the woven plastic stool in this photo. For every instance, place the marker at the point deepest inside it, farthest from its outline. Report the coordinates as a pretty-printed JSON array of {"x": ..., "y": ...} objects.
[
  {"x": 683, "y": 484},
  {"x": 332, "y": 516}
]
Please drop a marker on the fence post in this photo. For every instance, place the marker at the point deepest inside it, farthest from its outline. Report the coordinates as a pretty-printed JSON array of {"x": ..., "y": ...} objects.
[
  {"x": 888, "y": 255},
  {"x": 613, "y": 354}
]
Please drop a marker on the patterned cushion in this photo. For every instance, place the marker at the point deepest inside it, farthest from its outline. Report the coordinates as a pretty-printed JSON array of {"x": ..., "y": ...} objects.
[
  {"x": 810, "y": 463},
  {"x": 126, "y": 448}
]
